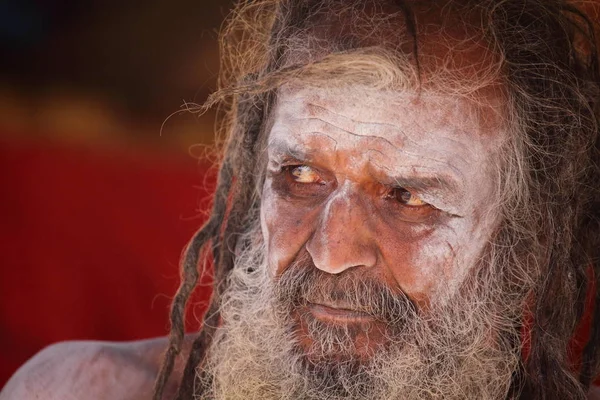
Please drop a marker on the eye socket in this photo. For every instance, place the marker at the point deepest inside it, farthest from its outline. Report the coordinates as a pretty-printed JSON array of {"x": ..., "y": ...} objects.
[
  {"x": 304, "y": 174},
  {"x": 407, "y": 198},
  {"x": 300, "y": 182}
]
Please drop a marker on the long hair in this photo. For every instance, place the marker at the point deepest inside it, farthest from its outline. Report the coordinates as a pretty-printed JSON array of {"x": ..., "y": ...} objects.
[{"x": 549, "y": 68}]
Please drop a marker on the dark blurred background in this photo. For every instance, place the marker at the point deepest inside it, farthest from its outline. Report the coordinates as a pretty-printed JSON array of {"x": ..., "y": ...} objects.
[
  {"x": 125, "y": 65},
  {"x": 100, "y": 188}
]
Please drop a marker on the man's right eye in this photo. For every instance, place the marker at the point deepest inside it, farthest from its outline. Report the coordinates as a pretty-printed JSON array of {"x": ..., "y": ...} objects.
[
  {"x": 303, "y": 174},
  {"x": 300, "y": 181}
]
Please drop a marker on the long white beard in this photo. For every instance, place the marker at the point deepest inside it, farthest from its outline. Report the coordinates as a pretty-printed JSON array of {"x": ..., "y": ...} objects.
[{"x": 463, "y": 350}]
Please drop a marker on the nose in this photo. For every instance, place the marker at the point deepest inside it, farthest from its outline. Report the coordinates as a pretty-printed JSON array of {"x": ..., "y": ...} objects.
[{"x": 342, "y": 238}]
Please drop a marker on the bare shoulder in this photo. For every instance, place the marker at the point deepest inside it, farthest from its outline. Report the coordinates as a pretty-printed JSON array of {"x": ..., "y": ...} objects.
[{"x": 89, "y": 370}]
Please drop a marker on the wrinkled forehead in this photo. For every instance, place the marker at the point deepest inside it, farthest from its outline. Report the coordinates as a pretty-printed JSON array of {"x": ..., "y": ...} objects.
[{"x": 483, "y": 112}]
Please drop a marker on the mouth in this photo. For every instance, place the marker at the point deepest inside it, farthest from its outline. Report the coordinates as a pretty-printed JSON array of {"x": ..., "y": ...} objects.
[{"x": 338, "y": 314}]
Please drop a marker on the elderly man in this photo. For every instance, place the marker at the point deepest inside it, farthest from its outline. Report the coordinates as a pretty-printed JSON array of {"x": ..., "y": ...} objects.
[{"x": 407, "y": 208}]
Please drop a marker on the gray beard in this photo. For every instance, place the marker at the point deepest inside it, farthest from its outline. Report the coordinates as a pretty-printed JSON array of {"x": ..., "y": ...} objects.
[{"x": 464, "y": 349}]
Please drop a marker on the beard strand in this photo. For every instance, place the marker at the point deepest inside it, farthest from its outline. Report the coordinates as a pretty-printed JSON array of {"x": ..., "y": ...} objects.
[{"x": 464, "y": 349}]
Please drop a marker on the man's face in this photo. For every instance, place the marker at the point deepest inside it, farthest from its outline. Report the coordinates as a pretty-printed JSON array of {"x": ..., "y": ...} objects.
[
  {"x": 375, "y": 275},
  {"x": 379, "y": 186}
]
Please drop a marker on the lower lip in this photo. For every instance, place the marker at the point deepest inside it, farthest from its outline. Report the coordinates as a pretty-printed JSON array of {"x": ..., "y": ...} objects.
[{"x": 330, "y": 314}]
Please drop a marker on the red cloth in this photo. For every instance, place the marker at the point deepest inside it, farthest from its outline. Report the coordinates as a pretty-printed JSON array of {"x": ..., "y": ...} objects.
[{"x": 90, "y": 243}]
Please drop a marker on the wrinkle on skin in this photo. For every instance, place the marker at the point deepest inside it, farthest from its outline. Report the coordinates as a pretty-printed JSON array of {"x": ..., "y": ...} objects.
[
  {"x": 363, "y": 141},
  {"x": 352, "y": 126}
]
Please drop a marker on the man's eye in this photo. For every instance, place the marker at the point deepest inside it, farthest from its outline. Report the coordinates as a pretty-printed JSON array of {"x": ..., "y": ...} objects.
[
  {"x": 304, "y": 174},
  {"x": 407, "y": 198}
]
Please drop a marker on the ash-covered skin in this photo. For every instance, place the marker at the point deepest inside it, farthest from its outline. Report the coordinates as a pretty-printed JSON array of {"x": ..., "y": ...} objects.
[{"x": 362, "y": 145}]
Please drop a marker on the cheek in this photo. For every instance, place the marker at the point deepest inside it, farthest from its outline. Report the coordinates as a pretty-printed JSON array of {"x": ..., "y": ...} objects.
[
  {"x": 285, "y": 228},
  {"x": 417, "y": 260},
  {"x": 427, "y": 263},
  {"x": 431, "y": 267}
]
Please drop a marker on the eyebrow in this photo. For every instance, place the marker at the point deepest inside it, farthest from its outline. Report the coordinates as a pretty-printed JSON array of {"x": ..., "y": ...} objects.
[
  {"x": 281, "y": 149},
  {"x": 424, "y": 183},
  {"x": 418, "y": 178}
]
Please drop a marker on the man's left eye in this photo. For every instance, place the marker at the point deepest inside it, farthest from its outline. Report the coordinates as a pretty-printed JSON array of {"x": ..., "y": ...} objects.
[
  {"x": 304, "y": 174},
  {"x": 407, "y": 198}
]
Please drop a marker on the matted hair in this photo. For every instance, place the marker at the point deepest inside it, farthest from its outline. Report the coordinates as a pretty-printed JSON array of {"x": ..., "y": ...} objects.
[{"x": 548, "y": 65}]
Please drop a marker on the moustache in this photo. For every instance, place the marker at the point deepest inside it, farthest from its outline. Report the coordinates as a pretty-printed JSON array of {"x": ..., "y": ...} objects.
[{"x": 303, "y": 283}]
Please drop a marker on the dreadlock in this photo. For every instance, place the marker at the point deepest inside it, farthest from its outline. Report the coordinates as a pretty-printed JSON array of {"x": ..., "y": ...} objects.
[{"x": 550, "y": 69}]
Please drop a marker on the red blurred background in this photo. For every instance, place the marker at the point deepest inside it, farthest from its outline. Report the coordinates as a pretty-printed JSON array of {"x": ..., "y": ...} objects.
[{"x": 100, "y": 189}]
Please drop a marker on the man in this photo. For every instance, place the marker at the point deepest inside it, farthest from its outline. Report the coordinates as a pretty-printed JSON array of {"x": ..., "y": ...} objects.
[{"x": 407, "y": 208}]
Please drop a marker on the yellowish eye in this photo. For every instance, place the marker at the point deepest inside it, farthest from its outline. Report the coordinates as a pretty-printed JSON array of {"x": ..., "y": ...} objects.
[
  {"x": 305, "y": 174},
  {"x": 407, "y": 198}
]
